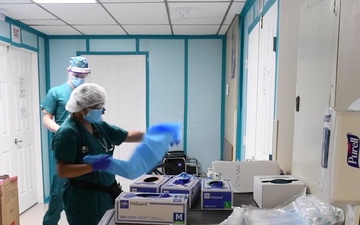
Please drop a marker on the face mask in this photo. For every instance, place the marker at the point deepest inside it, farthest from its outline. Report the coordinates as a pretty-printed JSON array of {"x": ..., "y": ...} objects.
[
  {"x": 76, "y": 81},
  {"x": 94, "y": 115}
]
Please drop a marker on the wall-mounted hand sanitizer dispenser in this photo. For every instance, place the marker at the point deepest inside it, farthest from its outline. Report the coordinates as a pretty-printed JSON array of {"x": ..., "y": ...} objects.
[{"x": 340, "y": 172}]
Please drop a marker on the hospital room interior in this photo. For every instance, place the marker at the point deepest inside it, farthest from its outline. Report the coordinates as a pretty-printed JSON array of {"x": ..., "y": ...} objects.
[{"x": 265, "y": 92}]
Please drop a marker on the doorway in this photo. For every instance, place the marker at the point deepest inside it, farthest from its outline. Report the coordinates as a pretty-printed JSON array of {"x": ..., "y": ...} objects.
[
  {"x": 20, "y": 154},
  {"x": 124, "y": 79}
]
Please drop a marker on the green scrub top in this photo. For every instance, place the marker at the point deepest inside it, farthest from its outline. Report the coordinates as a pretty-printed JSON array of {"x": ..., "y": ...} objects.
[
  {"x": 71, "y": 143},
  {"x": 55, "y": 102}
]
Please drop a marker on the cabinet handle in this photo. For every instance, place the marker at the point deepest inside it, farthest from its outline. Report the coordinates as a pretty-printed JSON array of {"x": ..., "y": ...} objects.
[{"x": 297, "y": 103}]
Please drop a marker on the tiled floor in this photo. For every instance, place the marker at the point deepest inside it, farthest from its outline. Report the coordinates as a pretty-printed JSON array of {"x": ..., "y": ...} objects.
[{"x": 35, "y": 214}]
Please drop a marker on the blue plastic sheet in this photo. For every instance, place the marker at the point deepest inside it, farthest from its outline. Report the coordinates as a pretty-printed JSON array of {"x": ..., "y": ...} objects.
[{"x": 147, "y": 155}]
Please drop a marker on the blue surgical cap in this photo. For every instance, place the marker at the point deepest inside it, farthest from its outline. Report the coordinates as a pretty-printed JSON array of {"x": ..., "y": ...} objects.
[{"x": 79, "y": 64}]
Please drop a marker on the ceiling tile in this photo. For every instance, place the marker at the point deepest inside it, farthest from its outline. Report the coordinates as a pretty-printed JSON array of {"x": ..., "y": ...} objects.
[
  {"x": 57, "y": 30},
  {"x": 234, "y": 10},
  {"x": 136, "y": 13},
  {"x": 199, "y": 1},
  {"x": 79, "y": 14},
  {"x": 26, "y": 11},
  {"x": 101, "y": 30},
  {"x": 209, "y": 13},
  {"x": 42, "y": 22},
  {"x": 129, "y": 1},
  {"x": 135, "y": 16},
  {"x": 14, "y": 1},
  {"x": 223, "y": 29},
  {"x": 195, "y": 29},
  {"x": 148, "y": 30}
]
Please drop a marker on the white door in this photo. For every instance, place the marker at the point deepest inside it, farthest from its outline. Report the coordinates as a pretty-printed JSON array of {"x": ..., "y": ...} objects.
[
  {"x": 19, "y": 127},
  {"x": 261, "y": 88},
  {"x": 124, "y": 78}
]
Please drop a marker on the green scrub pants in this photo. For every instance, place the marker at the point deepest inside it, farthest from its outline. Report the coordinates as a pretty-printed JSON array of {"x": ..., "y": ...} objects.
[{"x": 56, "y": 205}]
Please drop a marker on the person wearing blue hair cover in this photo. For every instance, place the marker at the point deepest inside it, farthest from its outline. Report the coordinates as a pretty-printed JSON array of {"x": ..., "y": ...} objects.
[
  {"x": 89, "y": 189},
  {"x": 54, "y": 114}
]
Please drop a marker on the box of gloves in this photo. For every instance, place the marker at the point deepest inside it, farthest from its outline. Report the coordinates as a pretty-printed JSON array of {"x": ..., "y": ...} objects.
[
  {"x": 151, "y": 208},
  {"x": 216, "y": 194},
  {"x": 184, "y": 184},
  {"x": 149, "y": 183}
]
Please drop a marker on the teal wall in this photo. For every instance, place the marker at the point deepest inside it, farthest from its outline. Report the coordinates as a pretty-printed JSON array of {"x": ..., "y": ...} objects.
[{"x": 185, "y": 81}]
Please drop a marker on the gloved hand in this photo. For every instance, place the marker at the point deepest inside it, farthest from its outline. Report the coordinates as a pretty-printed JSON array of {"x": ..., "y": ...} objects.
[
  {"x": 102, "y": 163},
  {"x": 173, "y": 129}
]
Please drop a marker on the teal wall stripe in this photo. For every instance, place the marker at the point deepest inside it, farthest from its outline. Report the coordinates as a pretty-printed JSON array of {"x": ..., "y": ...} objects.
[
  {"x": 147, "y": 86},
  {"x": 223, "y": 87},
  {"x": 87, "y": 44},
  {"x": 137, "y": 44},
  {"x": 186, "y": 93}
]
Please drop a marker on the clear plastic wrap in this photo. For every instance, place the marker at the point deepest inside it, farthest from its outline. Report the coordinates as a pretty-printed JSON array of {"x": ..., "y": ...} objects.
[{"x": 300, "y": 210}]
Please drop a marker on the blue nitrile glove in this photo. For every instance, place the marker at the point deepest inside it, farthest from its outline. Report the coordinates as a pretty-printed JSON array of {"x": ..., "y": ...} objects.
[
  {"x": 99, "y": 162},
  {"x": 168, "y": 128}
]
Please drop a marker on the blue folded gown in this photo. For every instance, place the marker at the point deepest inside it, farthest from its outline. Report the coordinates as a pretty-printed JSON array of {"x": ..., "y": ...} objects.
[{"x": 147, "y": 155}]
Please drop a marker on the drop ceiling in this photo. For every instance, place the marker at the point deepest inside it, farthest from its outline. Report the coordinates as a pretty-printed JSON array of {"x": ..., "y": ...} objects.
[{"x": 126, "y": 17}]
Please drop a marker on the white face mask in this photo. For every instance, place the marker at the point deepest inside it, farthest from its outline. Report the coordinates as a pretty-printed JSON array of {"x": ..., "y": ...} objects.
[{"x": 76, "y": 81}]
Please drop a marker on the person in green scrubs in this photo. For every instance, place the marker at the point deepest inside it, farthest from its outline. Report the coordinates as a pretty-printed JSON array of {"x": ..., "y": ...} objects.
[
  {"x": 87, "y": 193},
  {"x": 54, "y": 114}
]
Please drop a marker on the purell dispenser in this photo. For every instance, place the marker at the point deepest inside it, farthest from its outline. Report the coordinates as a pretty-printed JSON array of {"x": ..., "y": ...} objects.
[{"x": 340, "y": 175}]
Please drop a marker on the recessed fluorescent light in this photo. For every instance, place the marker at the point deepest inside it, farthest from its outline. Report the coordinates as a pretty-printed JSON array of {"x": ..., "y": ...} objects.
[{"x": 65, "y": 1}]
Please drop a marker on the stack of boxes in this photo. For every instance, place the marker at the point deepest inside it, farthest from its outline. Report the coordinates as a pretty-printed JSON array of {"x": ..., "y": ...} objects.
[{"x": 162, "y": 199}]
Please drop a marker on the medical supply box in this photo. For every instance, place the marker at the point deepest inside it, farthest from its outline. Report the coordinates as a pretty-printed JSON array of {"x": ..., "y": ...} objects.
[
  {"x": 191, "y": 188},
  {"x": 149, "y": 183},
  {"x": 9, "y": 201},
  {"x": 241, "y": 173},
  {"x": 216, "y": 194},
  {"x": 272, "y": 191},
  {"x": 151, "y": 208}
]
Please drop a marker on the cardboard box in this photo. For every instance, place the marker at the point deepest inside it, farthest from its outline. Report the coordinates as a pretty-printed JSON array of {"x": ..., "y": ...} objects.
[
  {"x": 151, "y": 208},
  {"x": 213, "y": 197},
  {"x": 149, "y": 183},
  {"x": 271, "y": 191},
  {"x": 9, "y": 201},
  {"x": 241, "y": 173},
  {"x": 192, "y": 188}
]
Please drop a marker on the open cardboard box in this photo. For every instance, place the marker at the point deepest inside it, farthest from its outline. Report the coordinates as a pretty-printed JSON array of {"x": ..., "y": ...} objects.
[{"x": 9, "y": 201}]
